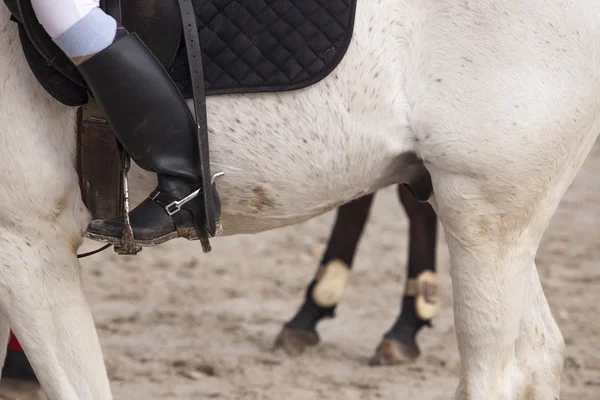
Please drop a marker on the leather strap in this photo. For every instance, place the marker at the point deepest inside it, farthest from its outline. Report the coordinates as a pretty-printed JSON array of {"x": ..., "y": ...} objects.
[
  {"x": 180, "y": 219},
  {"x": 194, "y": 54},
  {"x": 98, "y": 165}
]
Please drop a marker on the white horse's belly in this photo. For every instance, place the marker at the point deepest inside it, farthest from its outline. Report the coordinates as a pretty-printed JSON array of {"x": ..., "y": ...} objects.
[
  {"x": 277, "y": 174},
  {"x": 287, "y": 174}
]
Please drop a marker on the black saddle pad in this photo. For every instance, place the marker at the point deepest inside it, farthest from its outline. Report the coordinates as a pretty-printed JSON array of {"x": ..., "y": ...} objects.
[
  {"x": 247, "y": 46},
  {"x": 267, "y": 45}
]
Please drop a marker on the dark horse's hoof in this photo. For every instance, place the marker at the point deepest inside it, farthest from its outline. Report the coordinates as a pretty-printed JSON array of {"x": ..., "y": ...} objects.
[
  {"x": 294, "y": 342},
  {"x": 393, "y": 352}
]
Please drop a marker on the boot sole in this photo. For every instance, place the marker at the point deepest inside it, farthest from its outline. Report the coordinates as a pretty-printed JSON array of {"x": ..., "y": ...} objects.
[{"x": 144, "y": 243}]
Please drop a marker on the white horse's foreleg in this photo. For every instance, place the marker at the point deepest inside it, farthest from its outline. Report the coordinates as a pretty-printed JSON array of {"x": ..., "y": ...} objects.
[
  {"x": 50, "y": 316},
  {"x": 42, "y": 293},
  {"x": 42, "y": 220}
]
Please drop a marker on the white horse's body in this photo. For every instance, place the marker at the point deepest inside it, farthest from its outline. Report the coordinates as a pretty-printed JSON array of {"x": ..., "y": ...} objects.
[{"x": 501, "y": 99}]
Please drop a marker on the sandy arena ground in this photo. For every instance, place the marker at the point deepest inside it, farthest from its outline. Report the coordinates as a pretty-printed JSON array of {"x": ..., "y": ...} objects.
[{"x": 177, "y": 324}]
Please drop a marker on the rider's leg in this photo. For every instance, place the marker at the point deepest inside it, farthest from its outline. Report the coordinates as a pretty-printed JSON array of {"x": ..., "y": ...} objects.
[{"x": 148, "y": 113}]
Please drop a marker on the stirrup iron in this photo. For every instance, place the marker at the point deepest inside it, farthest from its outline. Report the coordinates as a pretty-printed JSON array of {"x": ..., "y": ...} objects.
[{"x": 127, "y": 245}]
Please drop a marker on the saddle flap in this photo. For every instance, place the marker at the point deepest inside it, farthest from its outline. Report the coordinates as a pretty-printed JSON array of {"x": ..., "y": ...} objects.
[
  {"x": 157, "y": 23},
  {"x": 54, "y": 56},
  {"x": 55, "y": 83},
  {"x": 98, "y": 164}
]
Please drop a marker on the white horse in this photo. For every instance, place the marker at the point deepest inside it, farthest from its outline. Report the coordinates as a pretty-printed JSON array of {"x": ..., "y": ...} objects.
[{"x": 500, "y": 99}]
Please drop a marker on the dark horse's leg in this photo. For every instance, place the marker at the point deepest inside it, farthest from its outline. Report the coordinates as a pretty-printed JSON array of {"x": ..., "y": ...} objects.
[
  {"x": 399, "y": 343},
  {"x": 420, "y": 300},
  {"x": 320, "y": 301},
  {"x": 17, "y": 365}
]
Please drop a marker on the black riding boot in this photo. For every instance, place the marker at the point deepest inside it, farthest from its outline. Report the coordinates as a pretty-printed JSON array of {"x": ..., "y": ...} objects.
[{"x": 156, "y": 128}]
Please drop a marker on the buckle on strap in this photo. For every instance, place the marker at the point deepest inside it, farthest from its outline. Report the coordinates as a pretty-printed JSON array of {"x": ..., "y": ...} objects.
[{"x": 175, "y": 206}]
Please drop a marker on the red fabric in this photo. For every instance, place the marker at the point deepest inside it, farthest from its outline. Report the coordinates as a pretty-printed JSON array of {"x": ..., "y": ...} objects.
[{"x": 13, "y": 343}]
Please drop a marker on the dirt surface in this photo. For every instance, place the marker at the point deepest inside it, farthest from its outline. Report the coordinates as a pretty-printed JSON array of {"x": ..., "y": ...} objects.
[{"x": 177, "y": 324}]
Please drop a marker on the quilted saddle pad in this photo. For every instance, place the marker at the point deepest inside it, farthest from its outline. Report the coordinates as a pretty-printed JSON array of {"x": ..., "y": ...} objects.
[
  {"x": 247, "y": 46},
  {"x": 267, "y": 45}
]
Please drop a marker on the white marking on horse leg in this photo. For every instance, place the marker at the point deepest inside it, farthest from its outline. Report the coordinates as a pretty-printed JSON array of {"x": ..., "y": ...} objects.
[
  {"x": 426, "y": 291},
  {"x": 331, "y": 283},
  {"x": 42, "y": 295}
]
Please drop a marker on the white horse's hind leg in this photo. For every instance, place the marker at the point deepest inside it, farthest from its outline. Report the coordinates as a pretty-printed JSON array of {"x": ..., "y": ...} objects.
[
  {"x": 510, "y": 345},
  {"x": 503, "y": 129}
]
